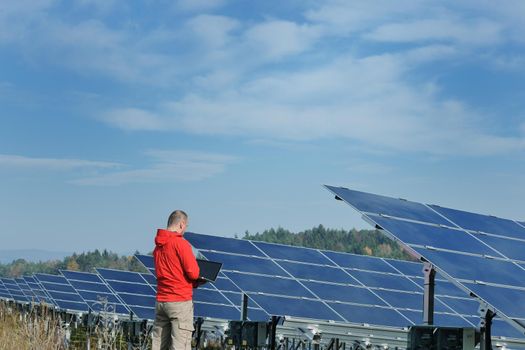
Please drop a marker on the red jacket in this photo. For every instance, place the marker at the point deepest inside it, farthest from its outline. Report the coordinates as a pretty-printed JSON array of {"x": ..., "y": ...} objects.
[{"x": 175, "y": 266}]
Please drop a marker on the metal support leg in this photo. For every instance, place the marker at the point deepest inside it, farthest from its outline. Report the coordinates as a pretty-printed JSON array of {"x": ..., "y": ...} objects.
[
  {"x": 244, "y": 307},
  {"x": 428, "y": 303},
  {"x": 486, "y": 328},
  {"x": 273, "y": 332}
]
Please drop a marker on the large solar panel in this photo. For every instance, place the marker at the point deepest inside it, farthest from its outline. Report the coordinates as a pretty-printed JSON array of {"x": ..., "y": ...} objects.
[
  {"x": 481, "y": 254},
  {"x": 94, "y": 291},
  {"x": 390, "y": 287},
  {"x": 63, "y": 294}
]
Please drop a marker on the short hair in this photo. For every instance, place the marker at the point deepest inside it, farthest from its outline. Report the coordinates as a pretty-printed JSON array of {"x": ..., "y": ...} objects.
[{"x": 176, "y": 217}]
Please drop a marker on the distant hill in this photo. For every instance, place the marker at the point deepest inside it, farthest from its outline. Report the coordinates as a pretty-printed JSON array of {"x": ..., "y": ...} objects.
[{"x": 30, "y": 255}]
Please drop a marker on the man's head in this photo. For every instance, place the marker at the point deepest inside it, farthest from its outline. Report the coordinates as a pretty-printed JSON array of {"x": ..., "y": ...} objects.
[{"x": 178, "y": 221}]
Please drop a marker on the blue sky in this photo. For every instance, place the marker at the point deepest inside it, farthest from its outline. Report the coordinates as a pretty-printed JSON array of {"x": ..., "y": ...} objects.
[{"x": 115, "y": 113}]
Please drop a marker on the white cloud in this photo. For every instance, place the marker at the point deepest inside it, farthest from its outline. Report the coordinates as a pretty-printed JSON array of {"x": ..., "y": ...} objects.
[
  {"x": 133, "y": 119},
  {"x": 461, "y": 31},
  {"x": 10, "y": 161},
  {"x": 198, "y": 5},
  {"x": 366, "y": 100},
  {"x": 166, "y": 166},
  {"x": 275, "y": 39}
]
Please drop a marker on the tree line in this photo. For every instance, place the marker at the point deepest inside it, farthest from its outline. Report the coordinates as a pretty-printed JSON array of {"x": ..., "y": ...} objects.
[
  {"x": 366, "y": 242},
  {"x": 86, "y": 262}
]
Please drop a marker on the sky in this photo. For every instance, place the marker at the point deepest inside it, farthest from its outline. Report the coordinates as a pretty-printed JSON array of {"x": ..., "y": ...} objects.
[{"x": 114, "y": 113}]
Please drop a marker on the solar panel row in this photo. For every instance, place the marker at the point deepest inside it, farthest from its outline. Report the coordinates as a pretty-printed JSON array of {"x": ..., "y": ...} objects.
[
  {"x": 279, "y": 280},
  {"x": 303, "y": 282},
  {"x": 482, "y": 254}
]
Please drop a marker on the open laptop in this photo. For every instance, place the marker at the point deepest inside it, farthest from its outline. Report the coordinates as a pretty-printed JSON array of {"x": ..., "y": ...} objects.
[{"x": 209, "y": 269}]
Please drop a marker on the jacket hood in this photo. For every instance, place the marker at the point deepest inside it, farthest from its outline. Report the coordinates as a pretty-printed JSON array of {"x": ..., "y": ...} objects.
[{"x": 164, "y": 236}]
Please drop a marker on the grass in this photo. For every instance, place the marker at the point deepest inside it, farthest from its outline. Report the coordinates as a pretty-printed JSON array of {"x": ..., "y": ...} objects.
[{"x": 35, "y": 329}]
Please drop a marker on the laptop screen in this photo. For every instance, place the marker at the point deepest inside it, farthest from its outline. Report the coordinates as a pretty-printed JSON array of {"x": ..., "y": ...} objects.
[{"x": 209, "y": 269}]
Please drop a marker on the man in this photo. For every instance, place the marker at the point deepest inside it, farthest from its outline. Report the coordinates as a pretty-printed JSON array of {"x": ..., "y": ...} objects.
[{"x": 177, "y": 273}]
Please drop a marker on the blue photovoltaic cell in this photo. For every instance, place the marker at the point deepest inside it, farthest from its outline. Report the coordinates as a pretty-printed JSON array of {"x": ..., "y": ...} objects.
[
  {"x": 277, "y": 251},
  {"x": 351, "y": 294},
  {"x": 406, "y": 267},
  {"x": 216, "y": 311},
  {"x": 402, "y": 300},
  {"x": 381, "y": 280},
  {"x": 4, "y": 293},
  {"x": 63, "y": 294},
  {"x": 236, "y": 299},
  {"x": 501, "y": 328},
  {"x": 224, "y": 284},
  {"x": 462, "y": 306},
  {"x": 370, "y": 315},
  {"x": 37, "y": 290},
  {"x": 258, "y": 315},
  {"x": 95, "y": 292},
  {"x": 144, "y": 313},
  {"x": 372, "y": 203},
  {"x": 28, "y": 292},
  {"x": 440, "y": 319},
  {"x": 512, "y": 249},
  {"x": 222, "y": 244},
  {"x": 428, "y": 235},
  {"x": 117, "y": 275},
  {"x": 446, "y": 288},
  {"x": 81, "y": 276},
  {"x": 269, "y": 285},
  {"x": 147, "y": 261},
  {"x": 131, "y": 287},
  {"x": 133, "y": 290},
  {"x": 209, "y": 296},
  {"x": 482, "y": 223},
  {"x": 138, "y": 300},
  {"x": 246, "y": 264},
  {"x": 281, "y": 306},
  {"x": 467, "y": 267},
  {"x": 318, "y": 273},
  {"x": 359, "y": 262},
  {"x": 506, "y": 300},
  {"x": 14, "y": 289},
  {"x": 152, "y": 280}
]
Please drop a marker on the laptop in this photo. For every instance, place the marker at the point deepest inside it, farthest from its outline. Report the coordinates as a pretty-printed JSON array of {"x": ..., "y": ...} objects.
[{"x": 209, "y": 269}]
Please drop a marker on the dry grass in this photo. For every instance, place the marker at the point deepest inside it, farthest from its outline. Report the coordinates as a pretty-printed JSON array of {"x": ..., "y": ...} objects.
[{"x": 30, "y": 330}]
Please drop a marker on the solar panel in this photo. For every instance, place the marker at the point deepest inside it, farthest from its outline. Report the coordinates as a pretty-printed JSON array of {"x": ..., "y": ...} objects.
[
  {"x": 38, "y": 291},
  {"x": 63, "y": 294},
  {"x": 14, "y": 290},
  {"x": 392, "y": 285},
  {"x": 479, "y": 253},
  {"x": 4, "y": 292},
  {"x": 28, "y": 292},
  {"x": 130, "y": 287},
  {"x": 94, "y": 291}
]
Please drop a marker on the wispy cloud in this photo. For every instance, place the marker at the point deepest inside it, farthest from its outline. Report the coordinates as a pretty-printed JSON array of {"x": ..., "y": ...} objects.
[
  {"x": 367, "y": 100},
  {"x": 165, "y": 166},
  {"x": 10, "y": 161}
]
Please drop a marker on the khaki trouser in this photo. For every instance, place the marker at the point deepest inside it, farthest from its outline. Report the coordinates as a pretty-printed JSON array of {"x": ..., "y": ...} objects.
[{"x": 173, "y": 326}]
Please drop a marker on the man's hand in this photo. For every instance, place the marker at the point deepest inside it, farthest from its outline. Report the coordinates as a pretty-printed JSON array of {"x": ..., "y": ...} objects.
[{"x": 199, "y": 282}]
